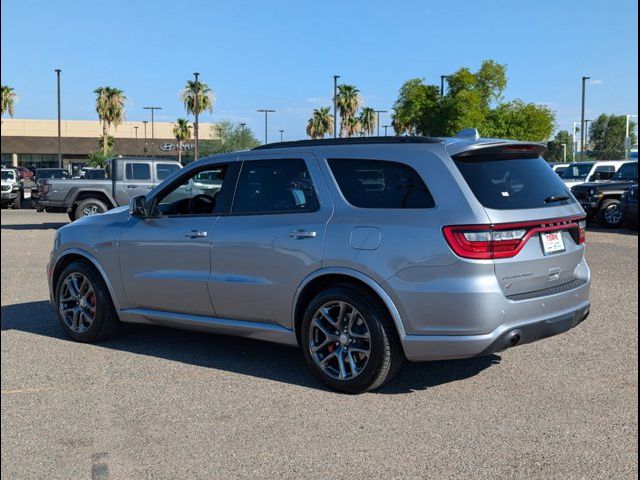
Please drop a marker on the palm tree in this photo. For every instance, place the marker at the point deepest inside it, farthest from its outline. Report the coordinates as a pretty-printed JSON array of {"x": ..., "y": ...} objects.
[
  {"x": 320, "y": 123},
  {"x": 401, "y": 125},
  {"x": 9, "y": 98},
  {"x": 110, "y": 109},
  {"x": 348, "y": 100},
  {"x": 182, "y": 132},
  {"x": 353, "y": 126},
  {"x": 197, "y": 93},
  {"x": 368, "y": 120}
]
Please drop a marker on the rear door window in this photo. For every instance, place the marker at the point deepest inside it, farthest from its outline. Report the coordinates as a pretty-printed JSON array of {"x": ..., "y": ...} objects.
[
  {"x": 512, "y": 184},
  {"x": 137, "y": 171},
  {"x": 163, "y": 170},
  {"x": 380, "y": 184},
  {"x": 274, "y": 186}
]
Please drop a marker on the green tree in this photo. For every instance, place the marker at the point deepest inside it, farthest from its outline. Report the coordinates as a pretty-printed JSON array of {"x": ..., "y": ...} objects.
[
  {"x": 97, "y": 159},
  {"x": 348, "y": 100},
  {"x": 607, "y": 136},
  {"x": 353, "y": 127},
  {"x": 472, "y": 100},
  {"x": 110, "y": 108},
  {"x": 9, "y": 99},
  {"x": 320, "y": 123},
  {"x": 555, "y": 149},
  {"x": 227, "y": 136},
  {"x": 197, "y": 94},
  {"x": 182, "y": 132},
  {"x": 520, "y": 121},
  {"x": 368, "y": 120}
]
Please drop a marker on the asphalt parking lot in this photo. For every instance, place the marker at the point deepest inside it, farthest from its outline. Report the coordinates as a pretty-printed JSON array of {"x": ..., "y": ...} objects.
[{"x": 159, "y": 403}]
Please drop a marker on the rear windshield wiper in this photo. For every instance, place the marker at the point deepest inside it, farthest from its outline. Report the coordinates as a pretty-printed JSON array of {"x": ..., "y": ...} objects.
[{"x": 556, "y": 198}]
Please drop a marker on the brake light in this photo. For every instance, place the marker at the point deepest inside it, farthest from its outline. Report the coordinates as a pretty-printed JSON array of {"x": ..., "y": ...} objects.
[{"x": 487, "y": 242}]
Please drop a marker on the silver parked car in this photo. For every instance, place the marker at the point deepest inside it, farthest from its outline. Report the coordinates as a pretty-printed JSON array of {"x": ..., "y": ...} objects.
[{"x": 362, "y": 251}]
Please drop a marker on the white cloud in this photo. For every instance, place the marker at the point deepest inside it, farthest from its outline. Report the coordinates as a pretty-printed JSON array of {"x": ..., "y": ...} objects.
[{"x": 596, "y": 82}]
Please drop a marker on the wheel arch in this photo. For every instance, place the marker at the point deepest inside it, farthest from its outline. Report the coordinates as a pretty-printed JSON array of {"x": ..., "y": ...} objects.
[
  {"x": 321, "y": 279},
  {"x": 78, "y": 194},
  {"x": 72, "y": 255}
]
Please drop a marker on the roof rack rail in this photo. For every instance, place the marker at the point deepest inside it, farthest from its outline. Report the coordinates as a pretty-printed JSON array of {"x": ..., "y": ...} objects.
[{"x": 348, "y": 141}]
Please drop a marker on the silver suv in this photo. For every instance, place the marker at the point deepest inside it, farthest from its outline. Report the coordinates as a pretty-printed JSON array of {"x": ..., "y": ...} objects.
[{"x": 363, "y": 252}]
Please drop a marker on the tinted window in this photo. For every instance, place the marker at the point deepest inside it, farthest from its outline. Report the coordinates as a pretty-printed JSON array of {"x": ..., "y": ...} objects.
[
  {"x": 138, "y": 171},
  {"x": 577, "y": 171},
  {"x": 513, "y": 183},
  {"x": 274, "y": 186},
  {"x": 194, "y": 197},
  {"x": 55, "y": 174},
  {"x": 163, "y": 170},
  {"x": 8, "y": 175},
  {"x": 628, "y": 171},
  {"x": 380, "y": 184}
]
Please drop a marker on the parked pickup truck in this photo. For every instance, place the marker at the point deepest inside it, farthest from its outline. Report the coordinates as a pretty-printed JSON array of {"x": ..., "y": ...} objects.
[
  {"x": 128, "y": 178},
  {"x": 601, "y": 200}
]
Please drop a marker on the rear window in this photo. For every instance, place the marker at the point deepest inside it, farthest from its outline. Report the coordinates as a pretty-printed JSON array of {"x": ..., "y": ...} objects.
[
  {"x": 380, "y": 184},
  {"x": 577, "y": 171},
  {"x": 628, "y": 171},
  {"x": 512, "y": 184}
]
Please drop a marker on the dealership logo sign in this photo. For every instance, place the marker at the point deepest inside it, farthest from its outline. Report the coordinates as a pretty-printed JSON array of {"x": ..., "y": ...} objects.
[{"x": 169, "y": 147}]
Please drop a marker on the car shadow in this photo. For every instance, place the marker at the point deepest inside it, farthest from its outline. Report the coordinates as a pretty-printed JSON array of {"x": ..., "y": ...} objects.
[
  {"x": 235, "y": 354},
  {"x": 620, "y": 231},
  {"x": 35, "y": 226}
]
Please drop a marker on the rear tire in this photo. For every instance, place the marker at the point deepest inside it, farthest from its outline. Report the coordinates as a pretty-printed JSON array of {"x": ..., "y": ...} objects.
[
  {"x": 333, "y": 342},
  {"x": 88, "y": 207},
  {"x": 85, "y": 310},
  {"x": 610, "y": 215}
]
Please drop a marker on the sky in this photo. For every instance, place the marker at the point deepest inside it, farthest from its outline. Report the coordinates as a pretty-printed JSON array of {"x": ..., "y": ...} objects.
[{"x": 283, "y": 54}]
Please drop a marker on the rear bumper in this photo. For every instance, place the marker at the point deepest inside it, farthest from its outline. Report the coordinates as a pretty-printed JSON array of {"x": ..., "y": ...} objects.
[{"x": 419, "y": 348}]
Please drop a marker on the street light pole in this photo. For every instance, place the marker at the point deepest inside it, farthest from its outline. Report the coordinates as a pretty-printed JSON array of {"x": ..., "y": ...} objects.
[
  {"x": 281, "y": 132},
  {"x": 153, "y": 109},
  {"x": 57, "y": 70},
  {"x": 582, "y": 125},
  {"x": 442, "y": 79},
  {"x": 144, "y": 122},
  {"x": 627, "y": 138},
  {"x": 564, "y": 152},
  {"x": 266, "y": 123},
  {"x": 135, "y": 128},
  {"x": 335, "y": 105},
  {"x": 586, "y": 132},
  {"x": 378, "y": 112},
  {"x": 385, "y": 129},
  {"x": 196, "y": 113}
]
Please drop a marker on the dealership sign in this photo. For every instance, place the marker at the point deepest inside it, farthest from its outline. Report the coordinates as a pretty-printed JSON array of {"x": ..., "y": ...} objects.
[{"x": 169, "y": 147}]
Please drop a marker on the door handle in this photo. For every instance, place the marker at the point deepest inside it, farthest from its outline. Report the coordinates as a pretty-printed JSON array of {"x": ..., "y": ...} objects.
[
  {"x": 301, "y": 234},
  {"x": 196, "y": 234},
  {"x": 132, "y": 186}
]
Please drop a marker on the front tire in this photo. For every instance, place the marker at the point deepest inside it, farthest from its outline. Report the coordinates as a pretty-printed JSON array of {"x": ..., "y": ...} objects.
[
  {"x": 349, "y": 341},
  {"x": 84, "y": 306},
  {"x": 89, "y": 207},
  {"x": 610, "y": 215}
]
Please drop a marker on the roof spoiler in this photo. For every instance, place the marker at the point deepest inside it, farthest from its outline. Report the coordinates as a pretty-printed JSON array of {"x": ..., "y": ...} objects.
[{"x": 503, "y": 151}]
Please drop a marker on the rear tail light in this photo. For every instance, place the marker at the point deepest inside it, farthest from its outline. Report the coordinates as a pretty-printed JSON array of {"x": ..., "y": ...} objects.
[{"x": 486, "y": 242}]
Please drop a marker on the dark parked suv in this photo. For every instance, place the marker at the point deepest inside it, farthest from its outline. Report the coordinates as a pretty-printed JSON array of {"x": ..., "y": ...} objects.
[
  {"x": 601, "y": 200},
  {"x": 363, "y": 252}
]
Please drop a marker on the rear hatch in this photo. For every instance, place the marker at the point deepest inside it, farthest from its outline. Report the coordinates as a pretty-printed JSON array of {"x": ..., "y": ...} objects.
[{"x": 536, "y": 233}]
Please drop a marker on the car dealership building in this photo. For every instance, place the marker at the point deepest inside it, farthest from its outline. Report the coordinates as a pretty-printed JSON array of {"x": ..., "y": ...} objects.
[{"x": 34, "y": 143}]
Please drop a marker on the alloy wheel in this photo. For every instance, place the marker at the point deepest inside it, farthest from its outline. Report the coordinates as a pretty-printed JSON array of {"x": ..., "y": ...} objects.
[
  {"x": 339, "y": 340},
  {"x": 90, "y": 210},
  {"x": 77, "y": 302},
  {"x": 613, "y": 215}
]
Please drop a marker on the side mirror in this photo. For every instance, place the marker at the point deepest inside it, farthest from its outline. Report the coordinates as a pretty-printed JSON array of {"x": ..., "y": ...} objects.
[{"x": 138, "y": 206}]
